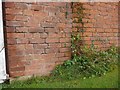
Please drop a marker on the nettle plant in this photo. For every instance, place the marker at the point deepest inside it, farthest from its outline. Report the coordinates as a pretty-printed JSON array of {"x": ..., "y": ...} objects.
[{"x": 86, "y": 61}]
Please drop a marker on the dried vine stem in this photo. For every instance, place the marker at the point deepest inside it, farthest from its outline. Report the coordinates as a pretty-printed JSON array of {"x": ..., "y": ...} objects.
[{"x": 2, "y": 49}]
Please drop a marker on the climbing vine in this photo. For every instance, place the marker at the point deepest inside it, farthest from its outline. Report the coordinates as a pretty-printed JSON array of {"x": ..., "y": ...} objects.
[{"x": 77, "y": 36}]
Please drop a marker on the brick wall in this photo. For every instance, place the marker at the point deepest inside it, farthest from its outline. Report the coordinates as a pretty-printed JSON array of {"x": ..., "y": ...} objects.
[
  {"x": 39, "y": 34},
  {"x": 100, "y": 23}
]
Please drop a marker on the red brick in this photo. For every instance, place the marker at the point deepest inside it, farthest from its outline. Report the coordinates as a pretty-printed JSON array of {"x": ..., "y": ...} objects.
[
  {"x": 10, "y": 4},
  {"x": 28, "y": 12},
  {"x": 64, "y": 59},
  {"x": 65, "y": 40},
  {"x": 16, "y": 74},
  {"x": 53, "y": 35},
  {"x": 37, "y": 8},
  {"x": 15, "y": 35},
  {"x": 37, "y": 40},
  {"x": 10, "y": 29},
  {"x": 21, "y": 6},
  {"x": 40, "y": 46},
  {"x": 50, "y": 9},
  {"x": 29, "y": 46},
  {"x": 64, "y": 49},
  {"x": 48, "y": 25},
  {"x": 61, "y": 25},
  {"x": 13, "y": 11},
  {"x": 17, "y": 69},
  {"x": 36, "y": 29},
  {"x": 88, "y": 25},
  {"x": 29, "y": 35},
  {"x": 66, "y": 44},
  {"x": 36, "y": 35},
  {"x": 67, "y": 54},
  {"x": 21, "y": 18},
  {"x": 52, "y": 50},
  {"x": 18, "y": 58},
  {"x": 87, "y": 38},
  {"x": 17, "y": 63},
  {"x": 59, "y": 55},
  {"x": 11, "y": 41},
  {"x": 40, "y": 15},
  {"x": 10, "y": 17},
  {"x": 87, "y": 34},
  {"x": 13, "y": 47},
  {"x": 21, "y": 29},
  {"x": 39, "y": 51},
  {"x": 43, "y": 35},
  {"x": 34, "y": 22},
  {"x": 50, "y": 30},
  {"x": 54, "y": 45},
  {"x": 14, "y": 23},
  {"x": 52, "y": 40},
  {"x": 22, "y": 41},
  {"x": 29, "y": 51}
]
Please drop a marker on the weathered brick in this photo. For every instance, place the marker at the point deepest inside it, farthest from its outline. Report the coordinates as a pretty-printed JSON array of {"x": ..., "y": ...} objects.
[
  {"x": 21, "y": 18},
  {"x": 39, "y": 51},
  {"x": 65, "y": 40},
  {"x": 17, "y": 69},
  {"x": 13, "y": 11},
  {"x": 28, "y": 12},
  {"x": 9, "y": 4},
  {"x": 40, "y": 15},
  {"x": 43, "y": 35},
  {"x": 15, "y": 35},
  {"x": 29, "y": 35},
  {"x": 37, "y": 7},
  {"x": 53, "y": 35},
  {"x": 35, "y": 29},
  {"x": 50, "y": 30},
  {"x": 15, "y": 23},
  {"x": 21, "y": 29},
  {"x": 22, "y": 41},
  {"x": 52, "y": 50},
  {"x": 21, "y": 6},
  {"x": 40, "y": 46},
  {"x": 64, "y": 49},
  {"x": 10, "y": 17},
  {"x": 48, "y": 25},
  {"x": 52, "y": 40},
  {"x": 11, "y": 41},
  {"x": 16, "y": 73},
  {"x": 37, "y": 40}
]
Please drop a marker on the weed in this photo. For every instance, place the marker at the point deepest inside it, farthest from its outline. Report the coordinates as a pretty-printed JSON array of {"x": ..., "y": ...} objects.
[{"x": 91, "y": 63}]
